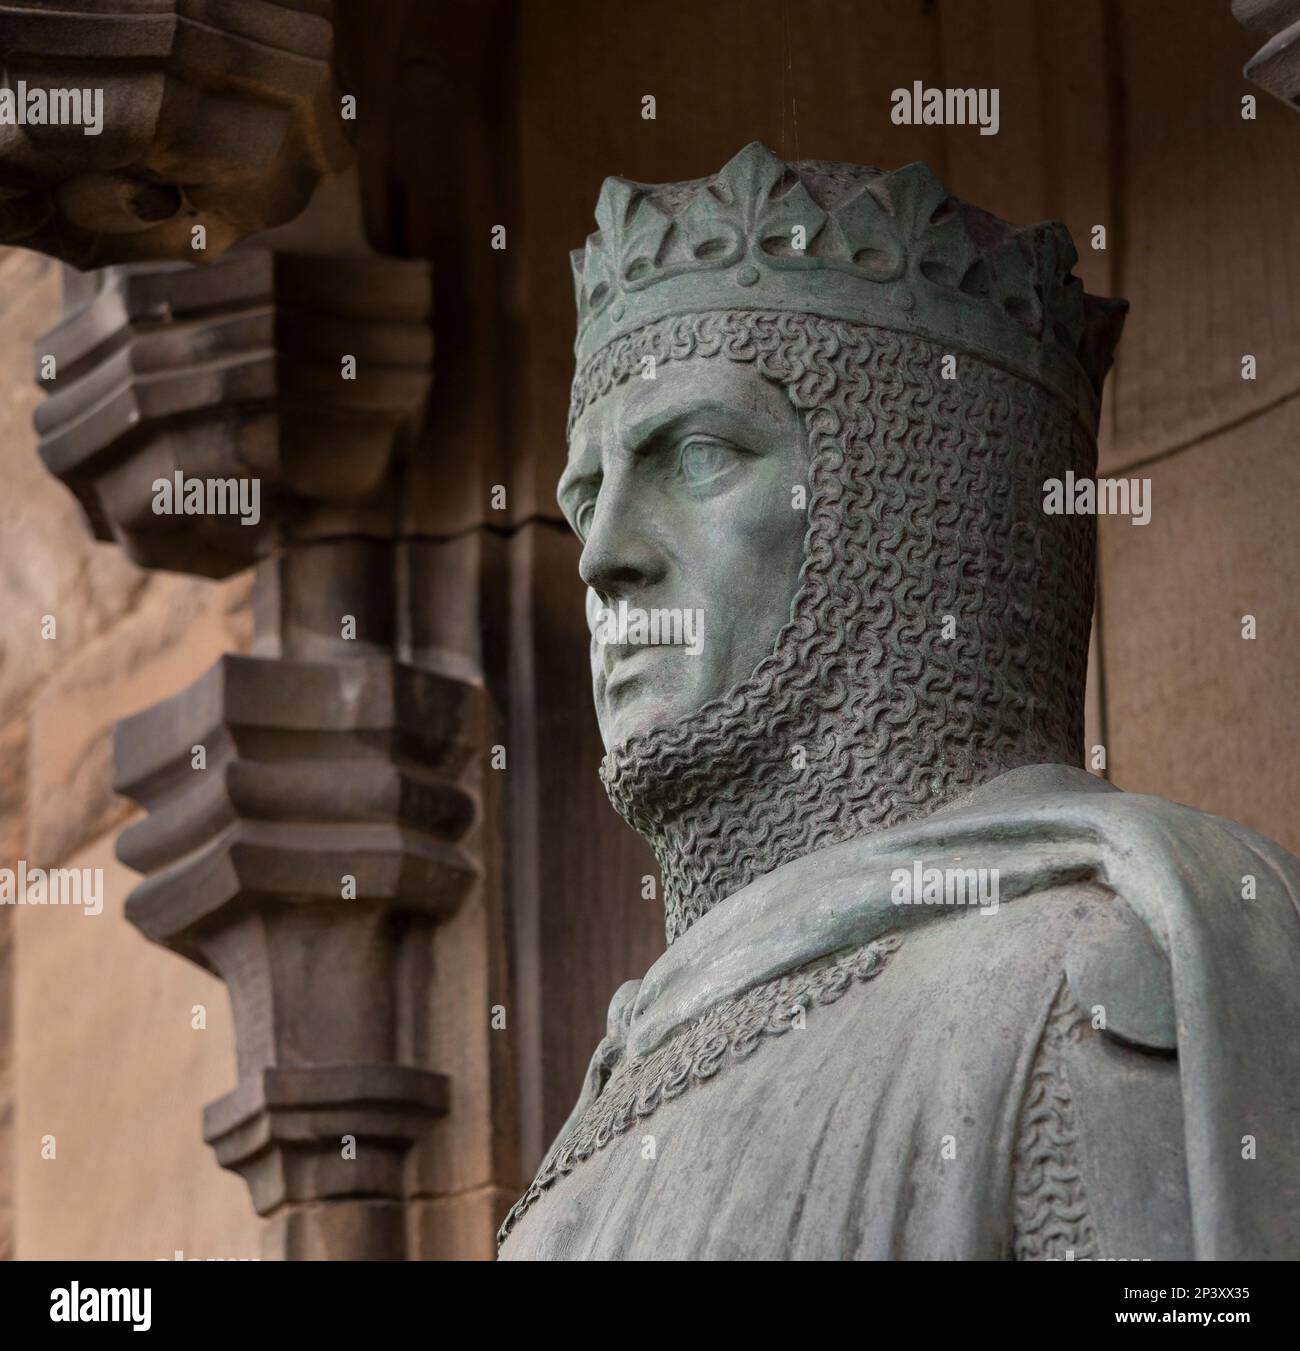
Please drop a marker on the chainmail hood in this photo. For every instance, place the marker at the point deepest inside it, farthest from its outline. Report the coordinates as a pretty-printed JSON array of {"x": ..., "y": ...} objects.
[{"x": 924, "y": 506}]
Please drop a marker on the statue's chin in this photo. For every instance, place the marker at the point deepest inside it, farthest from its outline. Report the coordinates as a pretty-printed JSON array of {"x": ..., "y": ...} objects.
[
  {"x": 636, "y": 723},
  {"x": 630, "y": 734},
  {"x": 637, "y": 714},
  {"x": 624, "y": 730},
  {"x": 621, "y": 735}
]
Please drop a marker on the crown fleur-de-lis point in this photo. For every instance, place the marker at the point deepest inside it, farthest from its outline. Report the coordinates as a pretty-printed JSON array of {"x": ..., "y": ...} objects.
[
  {"x": 913, "y": 195},
  {"x": 780, "y": 215},
  {"x": 713, "y": 232},
  {"x": 591, "y": 275},
  {"x": 948, "y": 253},
  {"x": 747, "y": 179},
  {"x": 640, "y": 248},
  {"x": 614, "y": 208},
  {"x": 867, "y": 236},
  {"x": 1061, "y": 290},
  {"x": 1014, "y": 276}
]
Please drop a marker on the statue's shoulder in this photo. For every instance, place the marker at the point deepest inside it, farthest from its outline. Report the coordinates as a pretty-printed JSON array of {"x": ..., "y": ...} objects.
[
  {"x": 1162, "y": 878},
  {"x": 1173, "y": 829},
  {"x": 1177, "y": 875}
]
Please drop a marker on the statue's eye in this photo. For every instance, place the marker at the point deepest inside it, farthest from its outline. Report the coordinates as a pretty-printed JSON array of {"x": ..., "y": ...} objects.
[
  {"x": 582, "y": 516},
  {"x": 703, "y": 461}
]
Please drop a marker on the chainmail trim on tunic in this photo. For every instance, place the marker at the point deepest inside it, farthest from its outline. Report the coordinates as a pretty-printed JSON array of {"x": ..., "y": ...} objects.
[
  {"x": 731, "y": 1031},
  {"x": 1052, "y": 1217}
]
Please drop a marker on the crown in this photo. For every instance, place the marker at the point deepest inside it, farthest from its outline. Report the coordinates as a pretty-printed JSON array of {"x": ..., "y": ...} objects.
[{"x": 845, "y": 241}]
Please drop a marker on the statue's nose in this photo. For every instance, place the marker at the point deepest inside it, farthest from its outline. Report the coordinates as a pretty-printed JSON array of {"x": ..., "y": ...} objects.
[{"x": 620, "y": 554}]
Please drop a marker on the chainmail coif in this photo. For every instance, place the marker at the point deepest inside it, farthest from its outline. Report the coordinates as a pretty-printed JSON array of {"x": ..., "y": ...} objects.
[{"x": 924, "y": 501}]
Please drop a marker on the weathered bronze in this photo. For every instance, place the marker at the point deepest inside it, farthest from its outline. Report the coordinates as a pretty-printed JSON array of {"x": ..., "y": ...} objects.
[{"x": 932, "y": 990}]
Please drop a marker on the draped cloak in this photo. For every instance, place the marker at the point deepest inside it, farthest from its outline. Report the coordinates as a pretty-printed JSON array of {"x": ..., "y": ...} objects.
[{"x": 1105, "y": 1065}]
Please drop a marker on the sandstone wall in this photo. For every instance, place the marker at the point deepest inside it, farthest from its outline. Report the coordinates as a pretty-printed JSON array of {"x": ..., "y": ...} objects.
[{"x": 96, "y": 1046}]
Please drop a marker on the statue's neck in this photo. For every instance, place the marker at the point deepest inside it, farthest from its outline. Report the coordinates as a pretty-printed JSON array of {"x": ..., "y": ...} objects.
[{"x": 713, "y": 838}]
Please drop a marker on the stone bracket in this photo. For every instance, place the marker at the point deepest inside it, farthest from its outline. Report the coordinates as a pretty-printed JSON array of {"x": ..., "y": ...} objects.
[
  {"x": 1276, "y": 66},
  {"x": 231, "y": 375},
  {"x": 283, "y": 1130},
  {"x": 213, "y": 113}
]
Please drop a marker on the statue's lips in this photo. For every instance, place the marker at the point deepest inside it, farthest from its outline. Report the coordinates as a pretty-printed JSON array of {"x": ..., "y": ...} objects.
[{"x": 627, "y": 664}]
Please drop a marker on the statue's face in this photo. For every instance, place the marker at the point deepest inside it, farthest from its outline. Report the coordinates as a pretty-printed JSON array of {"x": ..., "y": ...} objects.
[{"x": 681, "y": 489}]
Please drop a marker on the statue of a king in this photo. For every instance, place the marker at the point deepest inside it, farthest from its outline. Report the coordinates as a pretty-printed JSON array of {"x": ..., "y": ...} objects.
[{"x": 931, "y": 990}]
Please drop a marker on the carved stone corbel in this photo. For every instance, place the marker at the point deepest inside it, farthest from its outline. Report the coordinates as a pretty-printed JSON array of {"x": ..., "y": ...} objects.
[
  {"x": 305, "y": 863},
  {"x": 236, "y": 372},
  {"x": 313, "y": 808},
  {"x": 213, "y": 114},
  {"x": 1276, "y": 66}
]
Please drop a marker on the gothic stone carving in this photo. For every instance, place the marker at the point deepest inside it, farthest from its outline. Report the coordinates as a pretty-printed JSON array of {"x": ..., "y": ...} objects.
[
  {"x": 1276, "y": 66},
  {"x": 314, "y": 810},
  {"x": 233, "y": 373},
  {"x": 217, "y": 115},
  {"x": 304, "y": 857}
]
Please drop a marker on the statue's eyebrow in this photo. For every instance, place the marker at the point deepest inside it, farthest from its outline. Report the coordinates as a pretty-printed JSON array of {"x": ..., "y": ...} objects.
[
  {"x": 653, "y": 429},
  {"x": 707, "y": 415}
]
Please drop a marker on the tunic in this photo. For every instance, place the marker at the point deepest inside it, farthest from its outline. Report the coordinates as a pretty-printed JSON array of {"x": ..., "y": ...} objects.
[{"x": 1101, "y": 1065}]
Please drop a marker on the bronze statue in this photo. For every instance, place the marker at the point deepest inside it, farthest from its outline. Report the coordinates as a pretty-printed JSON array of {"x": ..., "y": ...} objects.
[{"x": 931, "y": 990}]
